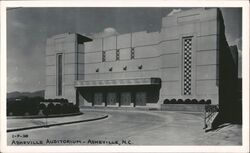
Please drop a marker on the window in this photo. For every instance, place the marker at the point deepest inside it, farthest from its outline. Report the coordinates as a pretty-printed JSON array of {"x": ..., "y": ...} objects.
[
  {"x": 103, "y": 56},
  {"x": 132, "y": 53},
  {"x": 187, "y": 65},
  {"x": 59, "y": 74},
  {"x": 117, "y": 54}
]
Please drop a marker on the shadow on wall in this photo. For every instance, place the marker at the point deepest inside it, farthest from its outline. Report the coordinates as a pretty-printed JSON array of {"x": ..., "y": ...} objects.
[
  {"x": 230, "y": 86},
  {"x": 231, "y": 111}
]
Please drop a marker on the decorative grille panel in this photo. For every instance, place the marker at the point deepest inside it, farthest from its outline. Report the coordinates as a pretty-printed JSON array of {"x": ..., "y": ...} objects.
[
  {"x": 187, "y": 65},
  {"x": 132, "y": 53},
  {"x": 117, "y": 54}
]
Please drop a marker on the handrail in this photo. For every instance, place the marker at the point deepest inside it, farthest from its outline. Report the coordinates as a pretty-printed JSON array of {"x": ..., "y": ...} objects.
[{"x": 210, "y": 112}]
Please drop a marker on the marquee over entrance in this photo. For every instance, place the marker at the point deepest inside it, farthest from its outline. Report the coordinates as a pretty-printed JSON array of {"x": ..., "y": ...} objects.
[{"x": 118, "y": 82}]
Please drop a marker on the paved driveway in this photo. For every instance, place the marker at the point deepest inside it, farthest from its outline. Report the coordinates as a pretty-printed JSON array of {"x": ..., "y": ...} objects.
[{"x": 133, "y": 128}]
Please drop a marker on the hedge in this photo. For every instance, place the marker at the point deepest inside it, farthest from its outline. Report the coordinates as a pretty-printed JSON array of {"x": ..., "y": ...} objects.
[
  {"x": 32, "y": 106},
  {"x": 187, "y": 101}
]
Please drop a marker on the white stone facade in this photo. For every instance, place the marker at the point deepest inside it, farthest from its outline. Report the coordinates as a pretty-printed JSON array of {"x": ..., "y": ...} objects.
[{"x": 141, "y": 69}]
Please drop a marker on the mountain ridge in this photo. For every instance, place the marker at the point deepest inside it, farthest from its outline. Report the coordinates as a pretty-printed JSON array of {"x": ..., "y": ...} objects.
[{"x": 17, "y": 94}]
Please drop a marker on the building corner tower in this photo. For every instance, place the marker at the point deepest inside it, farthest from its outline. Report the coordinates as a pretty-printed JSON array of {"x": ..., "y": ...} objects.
[{"x": 64, "y": 65}]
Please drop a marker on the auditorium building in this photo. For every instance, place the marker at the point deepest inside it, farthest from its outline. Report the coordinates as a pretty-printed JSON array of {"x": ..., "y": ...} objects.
[{"x": 188, "y": 58}]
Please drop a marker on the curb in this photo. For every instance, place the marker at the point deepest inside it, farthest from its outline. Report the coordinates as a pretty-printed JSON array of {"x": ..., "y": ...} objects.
[
  {"x": 43, "y": 116},
  {"x": 56, "y": 124},
  {"x": 120, "y": 108}
]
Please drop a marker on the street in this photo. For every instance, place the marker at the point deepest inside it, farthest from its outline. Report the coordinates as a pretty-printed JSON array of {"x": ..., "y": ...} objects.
[{"x": 132, "y": 128}]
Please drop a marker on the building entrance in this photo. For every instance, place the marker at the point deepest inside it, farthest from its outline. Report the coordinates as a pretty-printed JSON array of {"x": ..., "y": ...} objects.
[
  {"x": 98, "y": 98},
  {"x": 111, "y": 98},
  {"x": 125, "y": 98},
  {"x": 140, "y": 99}
]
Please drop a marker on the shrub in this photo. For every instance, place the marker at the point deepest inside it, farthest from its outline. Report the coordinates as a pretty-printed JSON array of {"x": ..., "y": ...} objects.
[
  {"x": 42, "y": 106},
  {"x": 173, "y": 101},
  {"x": 32, "y": 106},
  {"x": 180, "y": 101},
  {"x": 194, "y": 101},
  {"x": 202, "y": 101},
  {"x": 76, "y": 109},
  {"x": 208, "y": 101},
  {"x": 33, "y": 111},
  {"x": 9, "y": 109},
  {"x": 50, "y": 100},
  {"x": 58, "y": 109},
  {"x": 51, "y": 108},
  {"x": 71, "y": 108},
  {"x": 64, "y": 101},
  {"x": 188, "y": 101},
  {"x": 65, "y": 108},
  {"x": 18, "y": 108},
  {"x": 46, "y": 111},
  {"x": 166, "y": 101}
]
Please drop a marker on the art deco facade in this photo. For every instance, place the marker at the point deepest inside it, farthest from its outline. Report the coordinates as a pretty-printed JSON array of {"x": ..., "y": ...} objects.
[{"x": 188, "y": 58}]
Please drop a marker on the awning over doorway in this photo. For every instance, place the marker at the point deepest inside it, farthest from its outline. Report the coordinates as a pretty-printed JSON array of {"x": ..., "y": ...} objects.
[{"x": 118, "y": 82}]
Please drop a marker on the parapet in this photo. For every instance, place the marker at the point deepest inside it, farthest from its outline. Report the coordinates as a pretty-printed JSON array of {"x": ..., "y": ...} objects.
[{"x": 192, "y": 15}]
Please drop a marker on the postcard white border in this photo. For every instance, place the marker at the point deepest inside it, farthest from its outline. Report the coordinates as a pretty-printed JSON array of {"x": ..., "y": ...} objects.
[{"x": 126, "y": 3}]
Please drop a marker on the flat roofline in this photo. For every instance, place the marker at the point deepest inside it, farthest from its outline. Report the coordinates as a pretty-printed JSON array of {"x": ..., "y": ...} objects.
[{"x": 82, "y": 39}]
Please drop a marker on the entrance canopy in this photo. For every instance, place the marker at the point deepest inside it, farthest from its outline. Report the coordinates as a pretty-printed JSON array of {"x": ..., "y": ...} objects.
[{"x": 118, "y": 82}]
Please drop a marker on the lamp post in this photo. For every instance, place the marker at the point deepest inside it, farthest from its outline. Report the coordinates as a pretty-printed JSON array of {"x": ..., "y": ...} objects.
[{"x": 46, "y": 113}]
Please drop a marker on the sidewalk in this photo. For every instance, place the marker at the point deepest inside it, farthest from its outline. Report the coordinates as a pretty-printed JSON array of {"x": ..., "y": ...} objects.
[{"x": 26, "y": 124}]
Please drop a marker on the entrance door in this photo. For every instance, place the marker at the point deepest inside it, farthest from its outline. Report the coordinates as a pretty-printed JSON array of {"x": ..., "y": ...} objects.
[
  {"x": 125, "y": 98},
  {"x": 98, "y": 98},
  {"x": 140, "y": 99},
  {"x": 111, "y": 98}
]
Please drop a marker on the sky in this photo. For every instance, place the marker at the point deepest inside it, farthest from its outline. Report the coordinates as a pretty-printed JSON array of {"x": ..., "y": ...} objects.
[{"x": 28, "y": 29}]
